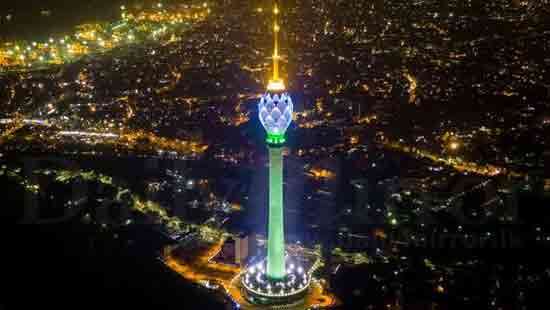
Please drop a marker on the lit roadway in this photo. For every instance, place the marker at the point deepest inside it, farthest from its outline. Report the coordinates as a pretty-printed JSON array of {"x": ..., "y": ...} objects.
[
  {"x": 201, "y": 268},
  {"x": 129, "y": 140},
  {"x": 24, "y": 121},
  {"x": 19, "y": 121},
  {"x": 486, "y": 170}
]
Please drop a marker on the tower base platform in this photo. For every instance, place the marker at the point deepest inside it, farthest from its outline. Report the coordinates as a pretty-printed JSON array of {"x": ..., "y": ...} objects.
[{"x": 259, "y": 288}]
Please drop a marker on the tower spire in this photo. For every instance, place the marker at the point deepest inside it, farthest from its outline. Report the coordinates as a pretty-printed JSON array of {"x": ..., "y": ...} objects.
[{"x": 276, "y": 83}]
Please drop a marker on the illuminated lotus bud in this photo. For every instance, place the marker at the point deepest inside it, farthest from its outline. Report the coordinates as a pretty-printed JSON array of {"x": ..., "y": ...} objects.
[{"x": 275, "y": 113}]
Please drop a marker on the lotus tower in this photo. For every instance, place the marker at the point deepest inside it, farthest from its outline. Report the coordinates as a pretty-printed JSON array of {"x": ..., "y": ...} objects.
[{"x": 277, "y": 279}]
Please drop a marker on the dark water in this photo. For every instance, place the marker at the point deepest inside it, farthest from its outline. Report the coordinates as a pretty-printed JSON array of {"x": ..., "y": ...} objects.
[
  {"x": 78, "y": 265},
  {"x": 28, "y": 23},
  {"x": 74, "y": 266}
]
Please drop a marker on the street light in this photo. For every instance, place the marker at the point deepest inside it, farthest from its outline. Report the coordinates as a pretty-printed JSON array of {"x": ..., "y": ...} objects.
[{"x": 454, "y": 145}]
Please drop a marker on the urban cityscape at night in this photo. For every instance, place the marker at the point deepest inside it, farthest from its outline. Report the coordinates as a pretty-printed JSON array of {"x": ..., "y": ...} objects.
[{"x": 275, "y": 154}]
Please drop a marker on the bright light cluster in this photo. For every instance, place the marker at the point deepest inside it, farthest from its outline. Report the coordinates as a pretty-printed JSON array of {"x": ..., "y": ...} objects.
[
  {"x": 276, "y": 85},
  {"x": 275, "y": 113},
  {"x": 296, "y": 281},
  {"x": 133, "y": 27}
]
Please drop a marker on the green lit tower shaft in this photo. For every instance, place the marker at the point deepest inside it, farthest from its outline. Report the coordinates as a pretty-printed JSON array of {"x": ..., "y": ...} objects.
[
  {"x": 279, "y": 279},
  {"x": 276, "y": 235},
  {"x": 275, "y": 113}
]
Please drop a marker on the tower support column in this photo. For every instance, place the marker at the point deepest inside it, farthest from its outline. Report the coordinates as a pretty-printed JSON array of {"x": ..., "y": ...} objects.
[{"x": 276, "y": 239}]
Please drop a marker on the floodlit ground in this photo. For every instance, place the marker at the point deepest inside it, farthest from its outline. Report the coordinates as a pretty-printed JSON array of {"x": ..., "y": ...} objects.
[{"x": 195, "y": 265}]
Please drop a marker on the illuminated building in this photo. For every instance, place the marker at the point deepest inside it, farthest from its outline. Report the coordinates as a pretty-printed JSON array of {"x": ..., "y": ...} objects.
[
  {"x": 241, "y": 249},
  {"x": 278, "y": 279}
]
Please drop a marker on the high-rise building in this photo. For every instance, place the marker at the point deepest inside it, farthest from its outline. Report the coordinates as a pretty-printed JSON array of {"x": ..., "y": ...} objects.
[
  {"x": 241, "y": 249},
  {"x": 278, "y": 279}
]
